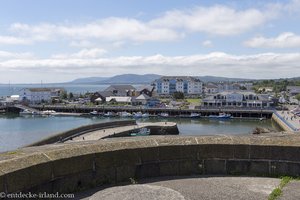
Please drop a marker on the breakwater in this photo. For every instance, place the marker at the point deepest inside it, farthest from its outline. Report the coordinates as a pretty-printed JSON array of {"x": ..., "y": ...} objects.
[
  {"x": 78, "y": 166},
  {"x": 67, "y": 135}
]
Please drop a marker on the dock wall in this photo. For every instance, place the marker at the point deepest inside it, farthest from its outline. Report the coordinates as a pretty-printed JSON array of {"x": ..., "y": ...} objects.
[
  {"x": 72, "y": 167},
  {"x": 60, "y": 137}
]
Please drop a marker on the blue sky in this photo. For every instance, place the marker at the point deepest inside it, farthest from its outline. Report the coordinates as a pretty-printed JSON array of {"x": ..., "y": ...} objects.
[{"x": 60, "y": 40}]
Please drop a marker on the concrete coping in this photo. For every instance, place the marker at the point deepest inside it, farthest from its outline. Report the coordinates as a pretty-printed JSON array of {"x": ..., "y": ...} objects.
[{"x": 30, "y": 156}]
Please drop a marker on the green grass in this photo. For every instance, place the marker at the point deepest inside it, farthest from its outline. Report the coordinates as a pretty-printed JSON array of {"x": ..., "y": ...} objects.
[
  {"x": 278, "y": 191},
  {"x": 194, "y": 101}
]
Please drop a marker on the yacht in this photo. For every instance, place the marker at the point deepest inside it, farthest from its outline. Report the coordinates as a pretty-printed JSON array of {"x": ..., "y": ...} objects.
[{"x": 220, "y": 116}]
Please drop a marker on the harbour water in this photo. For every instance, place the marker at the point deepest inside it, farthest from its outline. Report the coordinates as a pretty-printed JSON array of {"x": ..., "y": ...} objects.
[
  {"x": 14, "y": 89},
  {"x": 17, "y": 131}
]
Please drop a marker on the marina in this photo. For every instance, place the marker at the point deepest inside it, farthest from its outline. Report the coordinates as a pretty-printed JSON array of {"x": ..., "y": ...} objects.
[{"x": 17, "y": 131}]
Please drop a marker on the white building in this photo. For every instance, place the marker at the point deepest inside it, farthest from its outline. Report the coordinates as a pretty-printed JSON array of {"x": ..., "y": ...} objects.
[
  {"x": 38, "y": 95},
  {"x": 238, "y": 99},
  {"x": 167, "y": 85}
]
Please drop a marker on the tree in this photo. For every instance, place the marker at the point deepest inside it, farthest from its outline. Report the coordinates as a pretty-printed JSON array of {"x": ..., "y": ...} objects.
[
  {"x": 178, "y": 95},
  {"x": 64, "y": 95},
  {"x": 71, "y": 96},
  {"x": 298, "y": 97}
]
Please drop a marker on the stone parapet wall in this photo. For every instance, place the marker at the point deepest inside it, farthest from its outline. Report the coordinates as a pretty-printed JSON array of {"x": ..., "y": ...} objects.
[{"x": 77, "y": 166}]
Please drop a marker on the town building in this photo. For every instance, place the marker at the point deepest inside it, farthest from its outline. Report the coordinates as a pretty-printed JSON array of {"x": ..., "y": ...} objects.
[
  {"x": 39, "y": 95},
  {"x": 168, "y": 85},
  {"x": 293, "y": 90},
  {"x": 122, "y": 90},
  {"x": 238, "y": 99},
  {"x": 145, "y": 89}
]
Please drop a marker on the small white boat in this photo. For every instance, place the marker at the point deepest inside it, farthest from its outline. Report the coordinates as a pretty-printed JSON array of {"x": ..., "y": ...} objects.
[
  {"x": 145, "y": 115},
  {"x": 195, "y": 115},
  {"x": 125, "y": 114},
  {"x": 141, "y": 132},
  {"x": 94, "y": 112},
  {"x": 109, "y": 114},
  {"x": 48, "y": 112},
  {"x": 164, "y": 115},
  {"x": 28, "y": 112},
  {"x": 138, "y": 114}
]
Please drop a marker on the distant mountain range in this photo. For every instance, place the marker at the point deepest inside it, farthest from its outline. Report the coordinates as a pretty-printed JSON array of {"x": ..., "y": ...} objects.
[
  {"x": 148, "y": 78},
  {"x": 119, "y": 79}
]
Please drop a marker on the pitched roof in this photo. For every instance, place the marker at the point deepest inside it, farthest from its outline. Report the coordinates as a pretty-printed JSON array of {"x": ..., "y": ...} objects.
[{"x": 142, "y": 97}]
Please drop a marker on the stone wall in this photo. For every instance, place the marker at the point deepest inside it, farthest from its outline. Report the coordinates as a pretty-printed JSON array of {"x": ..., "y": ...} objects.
[
  {"x": 77, "y": 166},
  {"x": 82, "y": 130}
]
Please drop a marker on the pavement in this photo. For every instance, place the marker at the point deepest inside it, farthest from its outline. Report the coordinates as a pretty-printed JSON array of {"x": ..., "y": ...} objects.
[
  {"x": 291, "y": 191},
  {"x": 189, "y": 188}
]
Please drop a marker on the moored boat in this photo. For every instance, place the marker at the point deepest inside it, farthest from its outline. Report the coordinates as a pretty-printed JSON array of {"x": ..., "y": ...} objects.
[
  {"x": 220, "y": 116},
  {"x": 125, "y": 114},
  {"x": 164, "y": 115},
  {"x": 109, "y": 114},
  {"x": 195, "y": 115},
  {"x": 141, "y": 132}
]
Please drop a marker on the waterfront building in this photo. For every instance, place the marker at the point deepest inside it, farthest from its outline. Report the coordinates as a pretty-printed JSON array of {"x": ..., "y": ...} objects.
[
  {"x": 168, "y": 85},
  {"x": 211, "y": 88},
  {"x": 238, "y": 99},
  {"x": 145, "y": 100},
  {"x": 293, "y": 90},
  {"x": 100, "y": 96},
  {"x": 119, "y": 99},
  {"x": 145, "y": 89},
  {"x": 122, "y": 90},
  {"x": 38, "y": 95}
]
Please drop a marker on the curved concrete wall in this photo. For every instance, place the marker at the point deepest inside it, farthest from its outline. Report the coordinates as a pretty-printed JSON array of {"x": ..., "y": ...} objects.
[
  {"x": 76, "y": 166},
  {"x": 81, "y": 130}
]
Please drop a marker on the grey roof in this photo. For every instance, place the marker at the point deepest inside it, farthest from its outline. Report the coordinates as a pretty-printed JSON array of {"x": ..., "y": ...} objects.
[
  {"x": 106, "y": 93},
  {"x": 293, "y": 87},
  {"x": 148, "y": 87},
  {"x": 142, "y": 97},
  {"x": 183, "y": 78}
]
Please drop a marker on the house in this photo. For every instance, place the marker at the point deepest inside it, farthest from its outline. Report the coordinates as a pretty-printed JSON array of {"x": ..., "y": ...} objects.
[
  {"x": 38, "y": 95},
  {"x": 145, "y": 89},
  {"x": 211, "y": 88},
  {"x": 238, "y": 99},
  {"x": 121, "y": 90},
  {"x": 119, "y": 99},
  {"x": 168, "y": 85},
  {"x": 293, "y": 90},
  {"x": 100, "y": 96}
]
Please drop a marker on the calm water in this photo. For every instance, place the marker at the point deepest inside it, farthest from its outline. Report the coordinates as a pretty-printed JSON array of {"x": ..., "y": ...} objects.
[
  {"x": 7, "y": 90},
  {"x": 17, "y": 131}
]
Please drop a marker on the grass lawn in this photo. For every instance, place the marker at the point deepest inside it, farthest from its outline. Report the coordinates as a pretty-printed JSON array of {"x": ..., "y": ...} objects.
[{"x": 194, "y": 101}]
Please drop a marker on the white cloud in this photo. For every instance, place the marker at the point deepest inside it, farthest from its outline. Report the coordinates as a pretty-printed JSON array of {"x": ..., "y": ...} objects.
[
  {"x": 216, "y": 63},
  {"x": 11, "y": 40},
  {"x": 108, "y": 29},
  {"x": 218, "y": 20},
  {"x": 4, "y": 55},
  {"x": 81, "y": 44},
  {"x": 207, "y": 43},
  {"x": 284, "y": 40},
  {"x": 83, "y": 54}
]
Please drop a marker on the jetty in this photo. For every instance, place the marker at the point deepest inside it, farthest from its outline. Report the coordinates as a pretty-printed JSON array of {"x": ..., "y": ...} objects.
[
  {"x": 125, "y": 131},
  {"x": 235, "y": 112}
]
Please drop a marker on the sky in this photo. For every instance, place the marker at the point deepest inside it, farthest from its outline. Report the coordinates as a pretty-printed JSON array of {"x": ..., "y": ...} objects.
[{"x": 61, "y": 40}]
